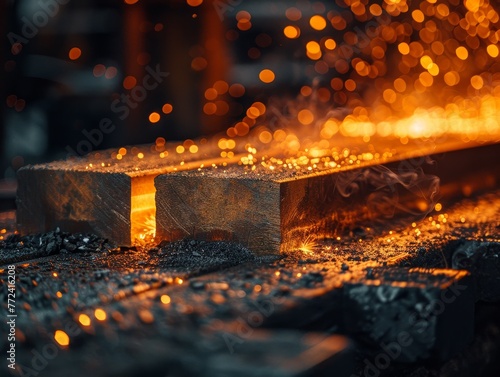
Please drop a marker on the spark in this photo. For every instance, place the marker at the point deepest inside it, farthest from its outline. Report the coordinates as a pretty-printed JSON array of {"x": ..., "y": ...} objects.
[
  {"x": 61, "y": 338},
  {"x": 308, "y": 245},
  {"x": 84, "y": 319},
  {"x": 100, "y": 315},
  {"x": 165, "y": 299}
]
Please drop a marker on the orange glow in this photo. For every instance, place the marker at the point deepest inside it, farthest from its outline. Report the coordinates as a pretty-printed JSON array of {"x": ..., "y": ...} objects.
[
  {"x": 305, "y": 117},
  {"x": 241, "y": 128},
  {"x": 165, "y": 299},
  {"x": 194, "y": 3},
  {"x": 84, "y": 320},
  {"x": 243, "y": 18},
  {"x": 236, "y": 90},
  {"x": 313, "y": 47},
  {"x": 210, "y": 108},
  {"x": 291, "y": 32},
  {"x": 129, "y": 82},
  {"x": 146, "y": 316},
  {"x": 493, "y": 51},
  {"x": 306, "y": 91},
  {"x": 61, "y": 338},
  {"x": 265, "y": 137},
  {"x": 375, "y": 9},
  {"x": 244, "y": 25},
  {"x": 143, "y": 210},
  {"x": 261, "y": 108},
  {"x": 400, "y": 85},
  {"x": 221, "y": 87},
  {"x": 404, "y": 48},
  {"x": 211, "y": 94},
  {"x": 477, "y": 82},
  {"x": 317, "y": 22},
  {"x": 390, "y": 96},
  {"x": 100, "y": 315},
  {"x": 426, "y": 61},
  {"x": 418, "y": 15},
  {"x": 350, "y": 85},
  {"x": 131, "y": 2},
  {"x": 330, "y": 44},
  {"x": 167, "y": 108},
  {"x": 462, "y": 53},
  {"x": 154, "y": 117},
  {"x": 75, "y": 53},
  {"x": 253, "y": 112},
  {"x": 451, "y": 78},
  {"x": 426, "y": 79},
  {"x": 266, "y": 76},
  {"x": 313, "y": 50}
]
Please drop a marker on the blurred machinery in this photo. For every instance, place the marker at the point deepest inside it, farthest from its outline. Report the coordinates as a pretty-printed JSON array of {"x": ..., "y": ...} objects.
[{"x": 70, "y": 64}]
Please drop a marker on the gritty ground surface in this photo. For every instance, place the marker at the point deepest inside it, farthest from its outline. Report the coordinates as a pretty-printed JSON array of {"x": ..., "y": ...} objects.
[{"x": 192, "y": 308}]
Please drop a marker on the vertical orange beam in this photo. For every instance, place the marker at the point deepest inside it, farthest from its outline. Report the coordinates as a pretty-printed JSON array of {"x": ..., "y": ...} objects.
[
  {"x": 218, "y": 57},
  {"x": 133, "y": 44},
  {"x": 143, "y": 210}
]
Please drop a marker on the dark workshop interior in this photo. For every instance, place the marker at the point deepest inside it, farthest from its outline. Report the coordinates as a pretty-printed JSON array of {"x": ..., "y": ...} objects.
[{"x": 250, "y": 188}]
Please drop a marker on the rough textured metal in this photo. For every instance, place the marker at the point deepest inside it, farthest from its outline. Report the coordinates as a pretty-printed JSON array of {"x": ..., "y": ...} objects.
[
  {"x": 482, "y": 259},
  {"x": 74, "y": 201},
  {"x": 411, "y": 314},
  {"x": 268, "y": 213},
  {"x": 228, "y": 292},
  {"x": 97, "y": 193},
  {"x": 272, "y": 212}
]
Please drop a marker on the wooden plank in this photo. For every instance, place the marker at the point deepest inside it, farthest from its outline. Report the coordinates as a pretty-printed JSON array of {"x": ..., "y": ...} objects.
[{"x": 272, "y": 211}]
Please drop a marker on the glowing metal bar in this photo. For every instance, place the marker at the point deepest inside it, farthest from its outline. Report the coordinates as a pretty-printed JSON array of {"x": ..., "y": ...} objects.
[
  {"x": 272, "y": 212},
  {"x": 112, "y": 198}
]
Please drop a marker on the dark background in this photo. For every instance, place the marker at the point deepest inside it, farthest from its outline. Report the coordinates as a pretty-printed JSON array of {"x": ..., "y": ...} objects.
[{"x": 49, "y": 98}]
